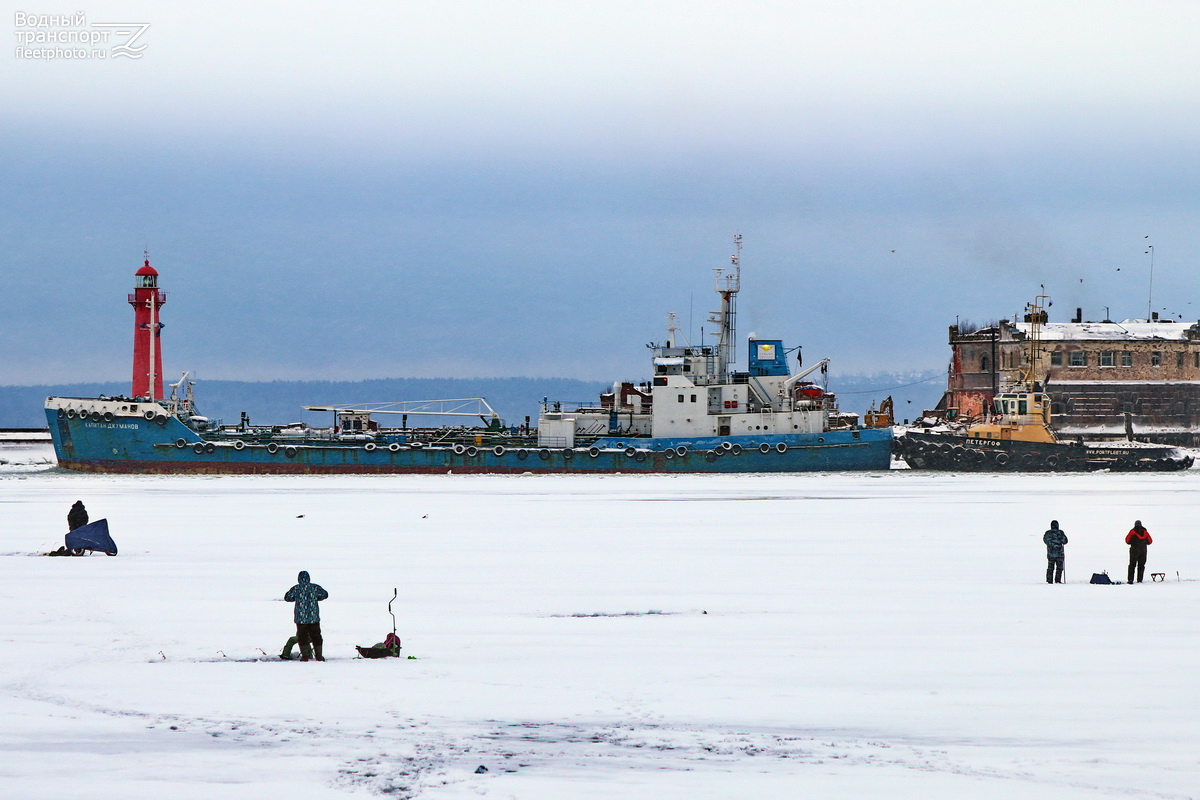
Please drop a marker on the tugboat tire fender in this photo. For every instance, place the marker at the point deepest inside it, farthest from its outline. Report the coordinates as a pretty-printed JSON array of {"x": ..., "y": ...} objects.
[
  {"x": 290, "y": 451},
  {"x": 370, "y": 447},
  {"x": 148, "y": 413},
  {"x": 198, "y": 448},
  {"x": 1002, "y": 459},
  {"x": 238, "y": 444},
  {"x": 594, "y": 451},
  {"x": 459, "y": 449},
  {"x": 498, "y": 450},
  {"x": 108, "y": 416},
  {"x": 681, "y": 451},
  {"x": 522, "y": 454},
  {"x": 272, "y": 448},
  {"x": 472, "y": 451},
  {"x": 781, "y": 447},
  {"x": 394, "y": 447},
  {"x": 764, "y": 448},
  {"x": 736, "y": 449},
  {"x": 544, "y": 454},
  {"x": 630, "y": 452},
  {"x": 181, "y": 443}
]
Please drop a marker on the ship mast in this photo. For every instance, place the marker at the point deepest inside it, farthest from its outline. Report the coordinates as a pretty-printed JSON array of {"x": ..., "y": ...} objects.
[
  {"x": 728, "y": 285},
  {"x": 1036, "y": 313}
]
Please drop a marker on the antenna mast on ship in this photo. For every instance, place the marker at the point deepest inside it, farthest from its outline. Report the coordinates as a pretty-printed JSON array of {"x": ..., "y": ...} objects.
[
  {"x": 728, "y": 286},
  {"x": 1036, "y": 312}
]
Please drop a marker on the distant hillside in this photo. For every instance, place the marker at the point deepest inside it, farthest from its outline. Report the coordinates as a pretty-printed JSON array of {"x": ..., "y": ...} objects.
[{"x": 513, "y": 398}]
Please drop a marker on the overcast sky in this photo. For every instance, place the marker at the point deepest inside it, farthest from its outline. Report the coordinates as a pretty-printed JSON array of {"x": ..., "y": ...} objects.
[{"x": 527, "y": 188}]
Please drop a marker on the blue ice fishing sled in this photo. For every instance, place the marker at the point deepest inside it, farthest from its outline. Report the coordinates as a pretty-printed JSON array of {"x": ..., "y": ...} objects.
[{"x": 93, "y": 536}]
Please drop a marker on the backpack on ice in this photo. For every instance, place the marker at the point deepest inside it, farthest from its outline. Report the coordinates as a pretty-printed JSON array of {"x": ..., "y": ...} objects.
[{"x": 1101, "y": 577}]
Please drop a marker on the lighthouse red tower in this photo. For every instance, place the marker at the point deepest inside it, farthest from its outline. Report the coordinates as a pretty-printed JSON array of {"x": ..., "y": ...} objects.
[{"x": 147, "y": 349}]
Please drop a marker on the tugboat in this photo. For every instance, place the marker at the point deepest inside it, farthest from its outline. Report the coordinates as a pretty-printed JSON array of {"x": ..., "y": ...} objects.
[
  {"x": 697, "y": 414},
  {"x": 1018, "y": 435}
]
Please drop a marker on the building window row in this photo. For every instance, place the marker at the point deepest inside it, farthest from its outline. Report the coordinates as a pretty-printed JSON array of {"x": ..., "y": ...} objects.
[{"x": 1109, "y": 358}]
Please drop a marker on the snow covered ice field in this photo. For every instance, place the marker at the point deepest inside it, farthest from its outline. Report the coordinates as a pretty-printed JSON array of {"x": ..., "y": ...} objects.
[{"x": 827, "y": 635}]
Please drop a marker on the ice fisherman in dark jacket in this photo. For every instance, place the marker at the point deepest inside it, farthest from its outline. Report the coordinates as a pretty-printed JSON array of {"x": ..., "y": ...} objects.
[
  {"x": 77, "y": 517},
  {"x": 1055, "y": 555},
  {"x": 1138, "y": 539},
  {"x": 306, "y": 595}
]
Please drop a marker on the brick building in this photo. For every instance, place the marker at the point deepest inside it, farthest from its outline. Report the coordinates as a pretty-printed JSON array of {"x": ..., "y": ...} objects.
[{"x": 1101, "y": 375}]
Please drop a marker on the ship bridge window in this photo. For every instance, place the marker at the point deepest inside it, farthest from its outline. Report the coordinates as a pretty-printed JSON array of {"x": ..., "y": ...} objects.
[
  {"x": 1022, "y": 407},
  {"x": 681, "y": 398}
]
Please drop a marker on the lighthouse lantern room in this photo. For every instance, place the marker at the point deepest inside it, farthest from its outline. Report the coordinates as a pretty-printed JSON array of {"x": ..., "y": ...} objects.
[{"x": 147, "y": 349}]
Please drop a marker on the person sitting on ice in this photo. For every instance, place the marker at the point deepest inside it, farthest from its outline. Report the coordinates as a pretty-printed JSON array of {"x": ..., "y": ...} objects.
[
  {"x": 306, "y": 595},
  {"x": 1055, "y": 555},
  {"x": 77, "y": 517}
]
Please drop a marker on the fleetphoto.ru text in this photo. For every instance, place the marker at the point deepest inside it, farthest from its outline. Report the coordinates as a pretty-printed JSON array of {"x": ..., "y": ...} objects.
[{"x": 49, "y": 37}]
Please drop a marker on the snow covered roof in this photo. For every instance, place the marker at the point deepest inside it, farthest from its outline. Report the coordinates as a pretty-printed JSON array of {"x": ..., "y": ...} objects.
[{"x": 1130, "y": 329}]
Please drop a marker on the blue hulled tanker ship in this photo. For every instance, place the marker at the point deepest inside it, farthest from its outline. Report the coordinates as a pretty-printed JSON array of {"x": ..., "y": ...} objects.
[{"x": 696, "y": 414}]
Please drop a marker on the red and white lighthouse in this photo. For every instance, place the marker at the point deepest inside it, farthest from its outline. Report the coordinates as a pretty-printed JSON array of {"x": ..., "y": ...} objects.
[{"x": 147, "y": 349}]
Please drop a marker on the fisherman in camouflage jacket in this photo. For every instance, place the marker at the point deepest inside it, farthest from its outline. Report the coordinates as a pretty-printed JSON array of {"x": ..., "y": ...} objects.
[
  {"x": 306, "y": 595},
  {"x": 1055, "y": 554}
]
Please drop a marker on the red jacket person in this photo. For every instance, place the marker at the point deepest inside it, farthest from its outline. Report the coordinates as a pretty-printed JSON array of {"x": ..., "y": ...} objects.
[{"x": 1138, "y": 539}]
